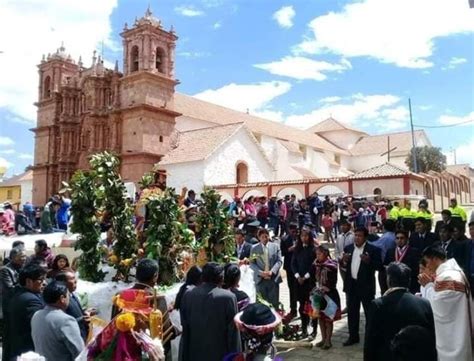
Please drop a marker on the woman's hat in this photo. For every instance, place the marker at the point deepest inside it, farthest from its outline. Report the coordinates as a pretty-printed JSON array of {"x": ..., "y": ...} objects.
[{"x": 257, "y": 318}]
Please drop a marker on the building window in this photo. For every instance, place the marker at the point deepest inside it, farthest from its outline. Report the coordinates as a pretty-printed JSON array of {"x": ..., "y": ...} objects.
[
  {"x": 161, "y": 139},
  {"x": 160, "y": 60},
  {"x": 242, "y": 173},
  {"x": 9, "y": 194},
  {"x": 47, "y": 87},
  {"x": 337, "y": 158},
  {"x": 134, "y": 58},
  {"x": 377, "y": 191}
]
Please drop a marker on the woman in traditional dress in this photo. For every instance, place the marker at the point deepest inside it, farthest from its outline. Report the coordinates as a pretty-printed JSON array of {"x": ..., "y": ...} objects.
[
  {"x": 231, "y": 283},
  {"x": 302, "y": 267},
  {"x": 326, "y": 281},
  {"x": 256, "y": 324}
]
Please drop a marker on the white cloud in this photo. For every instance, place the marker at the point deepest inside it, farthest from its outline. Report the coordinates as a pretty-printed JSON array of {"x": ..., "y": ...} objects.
[
  {"x": 217, "y": 25},
  {"x": 5, "y": 163},
  {"x": 194, "y": 54},
  {"x": 330, "y": 99},
  {"x": 284, "y": 16},
  {"x": 300, "y": 68},
  {"x": 464, "y": 153},
  {"x": 25, "y": 156},
  {"x": 467, "y": 119},
  {"x": 189, "y": 11},
  {"x": 7, "y": 151},
  {"x": 400, "y": 32},
  {"x": 242, "y": 97},
  {"x": 383, "y": 112},
  {"x": 425, "y": 107},
  {"x": 6, "y": 141},
  {"x": 39, "y": 27},
  {"x": 454, "y": 62}
]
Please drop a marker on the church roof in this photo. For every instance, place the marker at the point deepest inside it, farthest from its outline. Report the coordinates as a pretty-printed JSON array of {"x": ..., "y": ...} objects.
[
  {"x": 199, "y": 109},
  {"x": 331, "y": 124},
  {"x": 383, "y": 170},
  {"x": 199, "y": 144},
  {"x": 377, "y": 144},
  {"x": 305, "y": 172},
  {"x": 17, "y": 179}
]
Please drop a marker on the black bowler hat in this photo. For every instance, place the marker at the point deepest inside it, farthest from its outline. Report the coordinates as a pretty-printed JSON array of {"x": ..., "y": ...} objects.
[{"x": 257, "y": 318}]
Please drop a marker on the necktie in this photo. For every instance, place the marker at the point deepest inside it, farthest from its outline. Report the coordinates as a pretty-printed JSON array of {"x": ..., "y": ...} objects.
[{"x": 265, "y": 258}]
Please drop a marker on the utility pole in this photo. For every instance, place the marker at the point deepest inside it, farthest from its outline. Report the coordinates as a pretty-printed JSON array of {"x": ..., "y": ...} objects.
[{"x": 415, "y": 164}]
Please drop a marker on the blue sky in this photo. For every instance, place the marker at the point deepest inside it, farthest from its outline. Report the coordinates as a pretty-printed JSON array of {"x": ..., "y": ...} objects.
[{"x": 296, "y": 62}]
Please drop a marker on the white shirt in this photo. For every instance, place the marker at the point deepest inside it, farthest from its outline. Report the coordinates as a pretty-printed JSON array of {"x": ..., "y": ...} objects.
[{"x": 355, "y": 263}]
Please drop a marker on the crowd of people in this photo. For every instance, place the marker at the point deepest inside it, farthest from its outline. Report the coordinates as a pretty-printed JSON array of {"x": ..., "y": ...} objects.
[
  {"x": 53, "y": 217},
  {"x": 425, "y": 279}
]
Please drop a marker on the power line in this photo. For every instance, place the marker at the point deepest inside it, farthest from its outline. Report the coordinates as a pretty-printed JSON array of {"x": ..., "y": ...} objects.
[{"x": 444, "y": 126}]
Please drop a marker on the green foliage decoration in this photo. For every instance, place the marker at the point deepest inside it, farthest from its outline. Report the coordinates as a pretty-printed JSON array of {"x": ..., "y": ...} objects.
[
  {"x": 215, "y": 233},
  {"x": 112, "y": 196},
  {"x": 146, "y": 180},
  {"x": 85, "y": 223},
  {"x": 166, "y": 235}
]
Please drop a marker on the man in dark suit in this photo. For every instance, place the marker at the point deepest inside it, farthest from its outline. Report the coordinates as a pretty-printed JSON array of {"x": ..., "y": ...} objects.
[
  {"x": 74, "y": 308},
  {"x": 454, "y": 249},
  {"x": 362, "y": 260},
  {"x": 405, "y": 253},
  {"x": 242, "y": 248},
  {"x": 287, "y": 249},
  {"x": 207, "y": 316},
  {"x": 394, "y": 311},
  {"x": 23, "y": 305},
  {"x": 265, "y": 261},
  {"x": 470, "y": 258},
  {"x": 422, "y": 237},
  {"x": 445, "y": 220}
]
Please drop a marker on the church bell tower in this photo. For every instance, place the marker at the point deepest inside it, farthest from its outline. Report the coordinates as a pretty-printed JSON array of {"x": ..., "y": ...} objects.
[{"x": 147, "y": 93}]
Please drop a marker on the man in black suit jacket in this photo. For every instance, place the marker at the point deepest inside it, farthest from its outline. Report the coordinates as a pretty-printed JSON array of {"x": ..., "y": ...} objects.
[
  {"x": 207, "y": 316},
  {"x": 407, "y": 254},
  {"x": 446, "y": 220},
  {"x": 23, "y": 305},
  {"x": 242, "y": 248},
  {"x": 422, "y": 237},
  {"x": 74, "y": 308},
  {"x": 454, "y": 249},
  {"x": 287, "y": 246},
  {"x": 362, "y": 260},
  {"x": 394, "y": 311}
]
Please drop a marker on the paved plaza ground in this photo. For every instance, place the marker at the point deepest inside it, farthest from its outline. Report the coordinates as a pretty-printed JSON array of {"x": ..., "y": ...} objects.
[{"x": 302, "y": 351}]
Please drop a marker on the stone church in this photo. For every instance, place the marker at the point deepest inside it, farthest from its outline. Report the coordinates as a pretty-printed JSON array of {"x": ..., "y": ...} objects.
[{"x": 138, "y": 115}]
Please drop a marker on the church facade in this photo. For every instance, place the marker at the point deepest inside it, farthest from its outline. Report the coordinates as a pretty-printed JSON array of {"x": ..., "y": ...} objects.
[{"x": 138, "y": 115}]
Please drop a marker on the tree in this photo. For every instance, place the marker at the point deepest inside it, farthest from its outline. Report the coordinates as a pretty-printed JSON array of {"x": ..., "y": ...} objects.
[{"x": 427, "y": 158}]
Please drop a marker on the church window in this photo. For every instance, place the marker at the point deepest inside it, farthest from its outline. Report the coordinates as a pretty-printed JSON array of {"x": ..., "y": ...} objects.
[
  {"x": 242, "y": 172},
  {"x": 47, "y": 87},
  {"x": 134, "y": 59},
  {"x": 159, "y": 60}
]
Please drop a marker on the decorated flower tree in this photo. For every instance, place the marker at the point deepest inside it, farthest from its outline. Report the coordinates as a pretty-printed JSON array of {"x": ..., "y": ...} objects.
[
  {"x": 167, "y": 236},
  {"x": 84, "y": 212},
  {"x": 214, "y": 232},
  {"x": 112, "y": 196},
  {"x": 100, "y": 191}
]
